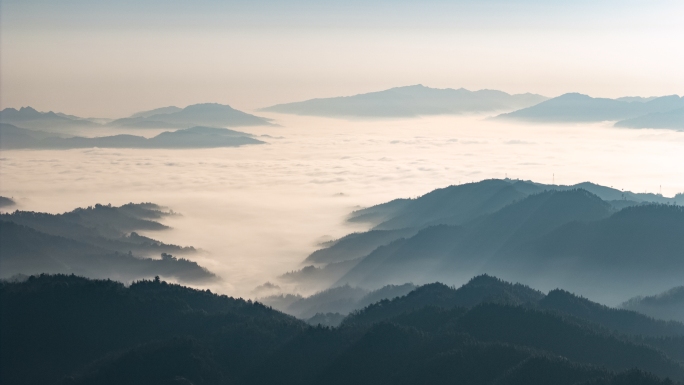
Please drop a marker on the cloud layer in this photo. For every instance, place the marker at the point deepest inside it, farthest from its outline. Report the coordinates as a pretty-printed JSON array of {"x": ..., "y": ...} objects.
[{"x": 258, "y": 211}]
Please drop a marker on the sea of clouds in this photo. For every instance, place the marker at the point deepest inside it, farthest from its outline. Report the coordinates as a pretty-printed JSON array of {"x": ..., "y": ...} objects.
[{"x": 258, "y": 211}]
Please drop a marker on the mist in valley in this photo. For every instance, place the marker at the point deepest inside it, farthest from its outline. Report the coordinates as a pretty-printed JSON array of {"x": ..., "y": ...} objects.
[
  {"x": 358, "y": 192},
  {"x": 257, "y": 212}
]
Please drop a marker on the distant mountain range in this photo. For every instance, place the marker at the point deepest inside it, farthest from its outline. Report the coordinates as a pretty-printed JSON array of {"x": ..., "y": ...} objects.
[
  {"x": 12, "y": 137},
  {"x": 27, "y": 117},
  {"x": 543, "y": 234},
  {"x": 410, "y": 101},
  {"x": 660, "y": 112},
  {"x": 208, "y": 114},
  {"x": 399, "y": 102},
  {"x": 98, "y": 242},
  {"x": 418, "y": 100}
]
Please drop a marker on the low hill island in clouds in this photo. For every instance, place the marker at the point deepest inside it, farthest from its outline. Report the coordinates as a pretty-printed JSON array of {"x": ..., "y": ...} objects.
[
  {"x": 660, "y": 112},
  {"x": 400, "y": 102},
  {"x": 594, "y": 240},
  {"x": 486, "y": 332},
  {"x": 12, "y": 137},
  {"x": 410, "y": 101},
  {"x": 28, "y": 117},
  {"x": 207, "y": 114}
]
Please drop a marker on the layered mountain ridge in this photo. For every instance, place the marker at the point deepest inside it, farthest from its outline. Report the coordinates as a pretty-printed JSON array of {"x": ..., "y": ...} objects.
[
  {"x": 98, "y": 242},
  {"x": 620, "y": 243}
]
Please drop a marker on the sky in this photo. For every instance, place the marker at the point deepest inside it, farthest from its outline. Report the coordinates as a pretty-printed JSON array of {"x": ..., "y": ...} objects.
[{"x": 110, "y": 59}]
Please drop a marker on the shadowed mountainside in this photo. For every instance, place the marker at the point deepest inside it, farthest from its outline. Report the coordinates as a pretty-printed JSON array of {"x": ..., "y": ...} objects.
[
  {"x": 629, "y": 252},
  {"x": 341, "y": 300},
  {"x": 459, "y": 204},
  {"x": 98, "y": 242},
  {"x": 153, "y": 332},
  {"x": 356, "y": 245},
  {"x": 666, "y": 305},
  {"x": 543, "y": 234},
  {"x": 438, "y": 303}
]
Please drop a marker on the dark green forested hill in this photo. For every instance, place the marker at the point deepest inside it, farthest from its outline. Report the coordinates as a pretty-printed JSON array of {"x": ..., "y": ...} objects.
[
  {"x": 72, "y": 330},
  {"x": 480, "y": 289},
  {"x": 488, "y": 289},
  {"x": 52, "y": 326}
]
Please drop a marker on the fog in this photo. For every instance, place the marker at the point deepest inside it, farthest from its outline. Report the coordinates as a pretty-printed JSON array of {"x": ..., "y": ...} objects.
[{"x": 258, "y": 211}]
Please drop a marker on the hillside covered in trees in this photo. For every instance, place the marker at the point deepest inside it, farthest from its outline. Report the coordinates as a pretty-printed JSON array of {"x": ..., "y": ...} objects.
[{"x": 73, "y": 330}]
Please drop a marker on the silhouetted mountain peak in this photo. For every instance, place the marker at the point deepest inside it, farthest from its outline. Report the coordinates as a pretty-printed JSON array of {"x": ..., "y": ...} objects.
[
  {"x": 559, "y": 298},
  {"x": 570, "y": 96},
  {"x": 28, "y": 110},
  {"x": 206, "y": 107},
  {"x": 485, "y": 280},
  {"x": 486, "y": 288},
  {"x": 432, "y": 289},
  {"x": 28, "y": 113}
]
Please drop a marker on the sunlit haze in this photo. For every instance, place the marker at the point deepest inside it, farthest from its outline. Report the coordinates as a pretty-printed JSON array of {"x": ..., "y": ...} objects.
[
  {"x": 366, "y": 192},
  {"x": 111, "y": 59}
]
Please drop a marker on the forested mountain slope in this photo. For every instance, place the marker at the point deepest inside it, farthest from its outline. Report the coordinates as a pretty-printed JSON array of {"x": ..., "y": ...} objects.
[{"x": 78, "y": 331}]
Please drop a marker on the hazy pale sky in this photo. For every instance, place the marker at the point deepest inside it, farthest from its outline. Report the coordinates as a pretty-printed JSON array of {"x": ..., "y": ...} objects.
[{"x": 112, "y": 58}]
